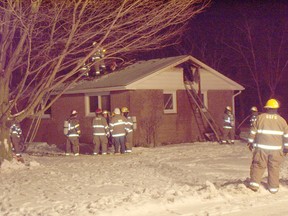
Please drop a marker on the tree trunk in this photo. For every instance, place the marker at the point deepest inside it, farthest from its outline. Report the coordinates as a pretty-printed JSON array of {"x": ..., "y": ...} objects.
[{"x": 5, "y": 143}]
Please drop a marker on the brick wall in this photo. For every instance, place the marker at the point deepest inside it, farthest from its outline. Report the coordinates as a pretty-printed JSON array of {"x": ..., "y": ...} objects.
[{"x": 147, "y": 106}]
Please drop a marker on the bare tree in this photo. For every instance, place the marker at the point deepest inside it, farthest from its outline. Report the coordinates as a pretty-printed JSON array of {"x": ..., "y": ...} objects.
[
  {"x": 262, "y": 48},
  {"x": 204, "y": 46},
  {"x": 44, "y": 43}
]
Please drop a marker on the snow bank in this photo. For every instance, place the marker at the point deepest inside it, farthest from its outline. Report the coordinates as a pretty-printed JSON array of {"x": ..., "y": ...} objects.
[{"x": 184, "y": 179}]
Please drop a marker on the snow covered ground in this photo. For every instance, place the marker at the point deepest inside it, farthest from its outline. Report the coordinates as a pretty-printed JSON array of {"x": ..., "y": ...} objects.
[{"x": 186, "y": 179}]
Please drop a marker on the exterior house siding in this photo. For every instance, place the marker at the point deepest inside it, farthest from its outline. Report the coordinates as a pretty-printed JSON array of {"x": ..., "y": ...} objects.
[
  {"x": 147, "y": 106},
  {"x": 172, "y": 78},
  {"x": 179, "y": 127},
  {"x": 140, "y": 87},
  {"x": 51, "y": 129},
  {"x": 217, "y": 101}
]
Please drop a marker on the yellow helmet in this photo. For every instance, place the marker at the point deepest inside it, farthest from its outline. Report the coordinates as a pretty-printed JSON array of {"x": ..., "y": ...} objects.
[
  {"x": 272, "y": 104},
  {"x": 105, "y": 112},
  {"x": 124, "y": 109},
  {"x": 254, "y": 109}
]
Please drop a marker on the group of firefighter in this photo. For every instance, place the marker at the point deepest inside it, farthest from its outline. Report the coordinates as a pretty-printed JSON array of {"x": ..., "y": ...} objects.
[
  {"x": 268, "y": 138},
  {"x": 115, "y": 130},
  {"x": 268, "y": 141}
]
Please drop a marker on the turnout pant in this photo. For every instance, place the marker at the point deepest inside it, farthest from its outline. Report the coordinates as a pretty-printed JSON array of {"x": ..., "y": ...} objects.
[
  {"x": 263, "y": 159},
  {"x": 119, "y": 141},
  {"x": 129, "y": 141},
  {"x": 100, "y": 142},
  {"x": 72, "y": 143},
  {"x": 228, "y": 135},
  {"x": 16, "y": 144}
]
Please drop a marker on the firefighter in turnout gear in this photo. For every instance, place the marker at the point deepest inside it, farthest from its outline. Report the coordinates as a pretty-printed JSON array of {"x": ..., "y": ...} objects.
[
  {"x": 254, "y": 114},
  {"x": 266, "y": 140},
  {"x": 100, "y": 133},
  {"x": 129, "y": 130},
  {"x": 98, "y": 59},
  {"x": 72, "y": 144},
  {"x": 16, "y": 139},
  {"x": 228, "y": 126},
  {"x": 118, "y": 131},
  {"x": 106, "y": 115}
]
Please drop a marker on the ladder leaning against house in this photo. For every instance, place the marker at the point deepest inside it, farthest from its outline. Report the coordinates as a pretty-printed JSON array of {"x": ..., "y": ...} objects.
[{"x": 206, "y": 124}]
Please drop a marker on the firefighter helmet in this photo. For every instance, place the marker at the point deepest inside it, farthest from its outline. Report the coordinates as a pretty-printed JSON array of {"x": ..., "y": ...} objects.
[
  {"x": 117, "y": 111},
  {"x": 105, "y": 112},
  {"x": 98, "y": 111},
  {"x": 124, "y": 110},
  {"x": 228, "y": 108},
  {"x": 254, "y": 109},
  {"x": 74, "y": 112},
  {"x": 272, "y": 104}
]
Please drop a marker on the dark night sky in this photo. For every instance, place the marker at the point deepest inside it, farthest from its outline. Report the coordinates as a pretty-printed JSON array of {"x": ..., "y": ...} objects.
[{"x": 223, "y": 17}]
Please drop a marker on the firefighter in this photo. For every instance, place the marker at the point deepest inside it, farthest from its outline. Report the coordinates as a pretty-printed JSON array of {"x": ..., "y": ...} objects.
[
  {"x": 106, "y": 115},
  {"x": 98, "y": 59},
  {"x": 100, "y": 133},
  {"x": 129, "y": 130},
  {"x": 73, "y": 134},
  {"x": 253, "y": 117},
  {"x": 118, "y": 131},
  {"x": 266, "y": 141},
  {"x": 228, "y": 126},
  {"x": 16, "y": 139}
]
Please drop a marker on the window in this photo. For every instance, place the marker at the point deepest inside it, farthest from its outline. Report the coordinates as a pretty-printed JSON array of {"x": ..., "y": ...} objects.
[
  {"x": 204, "y": 100},
  {"x": 48, "y": 112},
  {"x": 93, "y": 101},
  {"x": 169, "y": 99}
]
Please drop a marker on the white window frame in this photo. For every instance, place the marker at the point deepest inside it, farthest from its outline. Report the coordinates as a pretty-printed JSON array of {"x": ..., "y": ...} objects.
[
  {"x": 46, "y": 116},
  {"x": 87, "y": 102},
  {"x": 174, "y": 101}
]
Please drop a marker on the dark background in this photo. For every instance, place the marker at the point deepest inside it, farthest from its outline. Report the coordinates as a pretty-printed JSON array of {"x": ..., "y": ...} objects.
[{"x": 210, "y": 33}]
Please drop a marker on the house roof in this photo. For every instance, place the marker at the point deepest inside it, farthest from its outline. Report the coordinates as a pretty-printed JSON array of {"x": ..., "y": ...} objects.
[{"x": 129, "y": 77}]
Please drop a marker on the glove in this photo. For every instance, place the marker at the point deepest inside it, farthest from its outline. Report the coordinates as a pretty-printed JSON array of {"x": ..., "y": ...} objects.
[{"x": 250, "y": 146}]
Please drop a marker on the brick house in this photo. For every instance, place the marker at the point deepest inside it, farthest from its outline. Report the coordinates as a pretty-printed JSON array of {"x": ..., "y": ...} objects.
[{"x": 155, "y": 93}]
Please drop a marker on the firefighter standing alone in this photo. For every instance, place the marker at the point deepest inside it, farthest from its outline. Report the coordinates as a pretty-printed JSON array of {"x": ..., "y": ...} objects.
[
  {"x": 16, "y": 138},
  {"x": 129, "y": 130},
  {"x": 228, "y": 127},
  {"x": 254, "y": 115},
  {"x": 73, "y": 134},
  {"x": 266, "y": 138}
]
